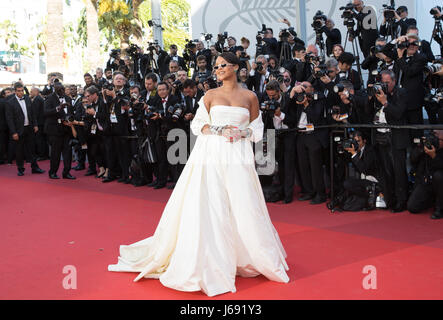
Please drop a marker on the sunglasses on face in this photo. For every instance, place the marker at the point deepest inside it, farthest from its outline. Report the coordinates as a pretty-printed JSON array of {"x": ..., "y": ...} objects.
[{"x": 224, "y": 65}]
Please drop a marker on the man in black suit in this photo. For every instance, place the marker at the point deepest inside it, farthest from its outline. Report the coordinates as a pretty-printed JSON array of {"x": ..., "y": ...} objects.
[
  {"x": 22, "y": 124},
  {"x": 79, "y": 115},
  {"x": 202, "y": 51},
  {"x": 409, "y": 68},
  {"x": 173, "y": 56},
  {"x": 115, "y": 123},
  {"x": 333, "y": 35},
  {"x": 299, "y": 68},
  {"x": 259, "y": 76},
  {"x": 94, "y": 132},
  {"x": 163, "y": 124},
  {"x": 311, "y": 113},
  {"x": 58, "y": 108},
  {"x": 3, "y": 125},
  {"x": 286, "y": 153},
  {"x": 425, "y": 47},
  {"x": 345, "y": 72},
  {"x": 391, "y": 144},
  {"x": 366, "y": 31},
  {"x": 364, "y": 160},
  {"x": 38, "y": 107},
  {"x": 401, "y": 24}
]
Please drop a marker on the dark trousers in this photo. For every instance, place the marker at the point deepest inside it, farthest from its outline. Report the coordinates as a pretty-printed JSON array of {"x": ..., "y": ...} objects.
[
  {"x": 117, "y": 155},
  {"x": 310, "y": 160},
  {"x": 3, "y": 144},
  {"x": 41, "y": 143},
  {"x": 96, "y": 152},
  {"x": 161, "y": 147},
  {"x": 421, "y": 199},
  {"x": 437, "y": 185},
  {"x": 415, "y": 117},
  {"x": 25, "y": 144},
  {"x": 60, "y": 146},
  {"x": 358, "y": 187},
  {"x": 287, "y": 163},
  {"x": 395, "y": 179}
]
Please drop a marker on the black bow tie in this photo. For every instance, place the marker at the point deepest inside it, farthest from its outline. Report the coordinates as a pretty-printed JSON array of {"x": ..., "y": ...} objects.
[{"x": 21, "y": 99}]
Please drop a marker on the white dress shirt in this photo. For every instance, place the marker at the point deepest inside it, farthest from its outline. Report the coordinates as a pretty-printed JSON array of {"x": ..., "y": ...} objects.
[{"x": 22, "y": 103}]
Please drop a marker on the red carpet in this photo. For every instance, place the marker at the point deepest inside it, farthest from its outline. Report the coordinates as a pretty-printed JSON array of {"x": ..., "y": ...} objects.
[{"x": 46, "y": 225}]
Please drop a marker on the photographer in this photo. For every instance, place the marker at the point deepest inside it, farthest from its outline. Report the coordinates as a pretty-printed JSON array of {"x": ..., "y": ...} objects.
[
  {"x": 402, "y": 22},
  {"x": 149, "y": 93},
  {"x": 345, "y": 62},
  {"x": 94, "y": 132},
  {"x": 366, "y": 31},
  {"x": 351, "y": 107},
  {"x": 244, "y": 58},
  {"x": 300, "y": 69},
  {"x": 311, "y": 112},
  {"x": 202, "y": 73},
  {"x": 360, "y": 193},
  {"x": 173, "y": 56},
  {"x": 275, "y": 107},
  {"x": 375, "y": 60},
  {"x": 163, "y": 120},
  {"x": 59, "y": 113},
  {"x": 79, "y": 115},
  {"x": 201, "y": 51},
  {"x": 427, "y": 159},
  {"x": 390, "y": 107},
  {"x": 115, "y": 61},
  {"x": 333, "y": 35},
  {"x": 409, "y": 68},
  {"x": 115, "y": 123},
  {"x": 270, "y": 46},
  {"x": 425, "y": 46},
  {"x": 259, "y": 76},
  {"x": 49, "y": 88}
]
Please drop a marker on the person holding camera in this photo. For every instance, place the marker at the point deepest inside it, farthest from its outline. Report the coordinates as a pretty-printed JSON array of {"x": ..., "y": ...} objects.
[
  {"x": 244, "y": 58},
  {"x": 425, "y": 46},
  {"x": 22, "y": 124},
  {"x": 333, "y": 35},
  {"x": 115, "y": 61},
  {"x": 115, "y": 123},
  {"x": 79, "y": 114},
  {"x": 259, "y": 76},
  {"x": 38, "y": 106},
  {"x": 172, "y": 56},
  {"x": 366, "y": 31},
  {"x": 390, "y": 107},
  {"x": 161, "y": 118},
  {"x": 311, "y": 113},
  {"x": 375, "y": 60},
  {"x": 345, "y": 71},
  {"x": 270, "y": 44},
  {"x": 361, "y": 191},
  {"x": 202, "y": 51},
  {"x": 94, "y": 106},
  {"x": 427, "y": 160},
  {"x": 202, "y": 72},
  {"x": 402, "y": 22},
  {"x": 59, "y": 113},
  {"x": 282, "y": 118},
  {"x": 409, "y": 68}
]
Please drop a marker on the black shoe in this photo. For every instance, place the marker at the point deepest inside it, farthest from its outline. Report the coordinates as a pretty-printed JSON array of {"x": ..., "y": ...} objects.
[
  {"x": 159, "y": 186},
  {"x": 127, "y": 181},
  {"x": 79, "y": 167},
  {"x": 21, "y": 173},
  {"x": 98, "y": 176},
  {"x": 318, "y": 200},
  {"x": 54, "y": 176},
  {"x": 68, "y": 176},
  {"x": 90, "y": 173},
  {"x": 288, "y": 200},
  {"x": 152, "y": 184},
  {"x": 37, "y": 170},
  {"x": 306, "y": 197},
  {"x": 108, "y": 179},
  {"x": 438, "y": 214},
  {"x": 401, "y": 207},
  {"x": 171, "y": 186},
  {"x": 121, "y": 180}
]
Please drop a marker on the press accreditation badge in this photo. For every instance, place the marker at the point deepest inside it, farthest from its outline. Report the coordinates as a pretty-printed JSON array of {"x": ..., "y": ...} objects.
[
  {"x": 93, "y": 128},
  {"x": 113, "y": 118},
  {"x": 310, "y": 127}
]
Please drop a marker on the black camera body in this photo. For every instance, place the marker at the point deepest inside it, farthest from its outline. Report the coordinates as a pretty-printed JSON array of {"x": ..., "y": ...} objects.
[
  {"x": 244, "y": 57},
  {"x": 310, "y": 58},
  {"x": 176, "y": 111},
  {"x": 434, "y": 13},
  {"x": 132, "y": 50},
  {"x": 430, "y": 140},
  {"x": 208, "y": 36},
  {"x": 372, "y": 91},
  {"x": 322, "y": 72},
  {"x": 178, "y": 85},
  {"x": 348, "y": 15},
  {"x": 350, "y": 143},
  {"x": 260, "y": 66},
  {"x": 271, "y": 105},
  {"x": 319, "y": 20},
  {"x": 389, "y": 11}
]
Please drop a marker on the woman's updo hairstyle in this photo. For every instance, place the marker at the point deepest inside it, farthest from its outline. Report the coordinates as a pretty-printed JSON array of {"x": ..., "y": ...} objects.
[{"x": 231, "y": 58}]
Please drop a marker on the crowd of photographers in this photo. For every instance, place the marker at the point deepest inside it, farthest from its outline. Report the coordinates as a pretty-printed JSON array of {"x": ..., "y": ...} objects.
[{"x": 116, "y": 126}]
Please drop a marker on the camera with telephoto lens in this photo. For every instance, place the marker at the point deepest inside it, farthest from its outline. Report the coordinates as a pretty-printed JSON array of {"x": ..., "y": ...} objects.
[
  {"x": 429, "y": 140},
  {"x": 132, "y": 50},
  {"x": 108, "y": 86},
  {"x": 69, "y": 118},
  {"x": 176, "y": 111},
  {"x": 379, "y": 86},
  {"x": 284, "y": 34},
  {"x": 335, "y": 110},
  {"x": 319, "y": 20},
  {"x": 221, "y": 37},
  {"x": 350, "y": 144},
  {"x": 207, "y": 36},
  {"x": 389, "y": 11},
  {"x": 152, "y": 46},
  {"x": 311, "y": 58},
  {"x": 212, "y": 82},
  {"x": 260, "y": 66},
  {"x": 322, "y": 72},
  {"x": 300, "y": 97},
  {"x": 407, "y": 44},
  {"x": 348, "y": 15},
  {"x": 434, "y": 12},
  {"x": 339, "y": 88},
  {"x": 269, "y": 107},
  {"x": 178, "y": 85}
]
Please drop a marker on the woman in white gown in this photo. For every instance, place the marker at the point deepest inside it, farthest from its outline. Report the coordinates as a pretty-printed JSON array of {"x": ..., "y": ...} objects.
[{"x": 216, "y": 224}]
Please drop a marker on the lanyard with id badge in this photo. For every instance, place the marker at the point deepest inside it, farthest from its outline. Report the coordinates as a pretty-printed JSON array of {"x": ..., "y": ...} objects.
[{"x": 113, "y": 116}]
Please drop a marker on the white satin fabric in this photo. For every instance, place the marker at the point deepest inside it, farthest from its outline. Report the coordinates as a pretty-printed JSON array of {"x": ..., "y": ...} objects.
[{"x": 216, "y": 224}]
